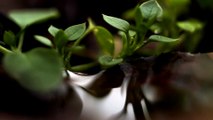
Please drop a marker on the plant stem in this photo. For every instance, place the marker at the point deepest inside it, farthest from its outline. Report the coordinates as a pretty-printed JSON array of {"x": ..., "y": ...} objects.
[
  {"x": 21, "y": 40},
  {"x": 4, "y": 50},
  {"x": 140, "y": 41},
  {"x": 128, "y": 51},
  {"x": 83, "y": 67},
  {"x": 90, "y": 29},
  {"x": 123, "y": 53}
]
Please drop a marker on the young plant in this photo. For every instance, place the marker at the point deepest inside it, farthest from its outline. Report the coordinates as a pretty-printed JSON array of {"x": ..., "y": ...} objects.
[
  {"x": 41, "y": 69},
  {"x": 173, "y": 24},
  {"x": 134, "y": 36}
]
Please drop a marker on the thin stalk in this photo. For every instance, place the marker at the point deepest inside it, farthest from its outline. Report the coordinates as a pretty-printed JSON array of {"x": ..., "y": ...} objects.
[
  {"x": 125, "y": 45},
  {"x": 4, "y": 50},
  {"x": 83, "y": 67},
  {"x": 21, "y": 40},
  {"x": 90, "y": 29},
  {"x": 140, "y": 41},
  {"x": 77, "y": 42},
  {"x": 129, "y": 50}
]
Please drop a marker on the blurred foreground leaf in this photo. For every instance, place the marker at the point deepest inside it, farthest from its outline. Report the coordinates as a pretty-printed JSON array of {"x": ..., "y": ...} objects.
[
  {"x": 28, "y": 17},
  {"x": 37, "y": 70}
]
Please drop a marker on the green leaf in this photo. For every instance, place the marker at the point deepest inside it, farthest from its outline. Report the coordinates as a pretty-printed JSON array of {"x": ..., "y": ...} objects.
[
  {"x": 178, "y": 3},
  {"x": 53, "y": 30},
  {"x": 159, "y": 38},
  {"x": 151, "y": 10},
  {"x": 9, "y": 38},
  {"x": 60, "y": 39},
  {"x": 129, "y": 14},
  {"x": 138, "y": 18},
  {"x": 132, "y": 33},
  {"x": 190, "y": 25},
  {"x": 108, "y": 61},
  {"x": 43, "y": 40},
  {"x": 83, "y": 67},
  {"x": 28, "y": 17},
  {"x": 76, "y": 49},
  {"x": 118, "y": 23},
  {"x": 75, "y": 31},
  {"x": 132, "y": 38},
  {"x": 156, "y": 28},
  {"x": 125, "y": 44},
  {"x": 39, "y": 70},
  {"x": 105, "y": 39}
]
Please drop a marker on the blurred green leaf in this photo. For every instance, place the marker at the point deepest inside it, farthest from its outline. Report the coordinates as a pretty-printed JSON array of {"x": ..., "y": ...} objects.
[
  {"x": 9, "y": 38},
  {"x": 105, "y": 39},
  {"x": 53, "y": 30},
  {"x": 190, "y": 25},
  {"x": 151, "y": 10},
  {"x": 177, "y": 3},
  {"x": 83, "y": 67},
  {"x": 118, "y": 23},
  {"x": 138, "y": 17},
  {"x": 159, "y": 38},
  {"x": 76, "y": 49},
  {"x": 156, "y": 28},
  {"x": 132, "y": 33},
  {"x": 129, "y": 14},
  {"x": 28, "y": 17},
  {"x": 38, "y": 70},
  {"x": 60, "y": 39},
  {"x": 108, "y": 61},
  {"x": 75, "y": 31},
  {"x": 125, "y": 44},
  {"x": 43, "y": 40}
]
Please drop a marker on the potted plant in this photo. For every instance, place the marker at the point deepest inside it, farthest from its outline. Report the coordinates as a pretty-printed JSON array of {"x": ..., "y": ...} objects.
[{"x": 149, "y": 49}]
